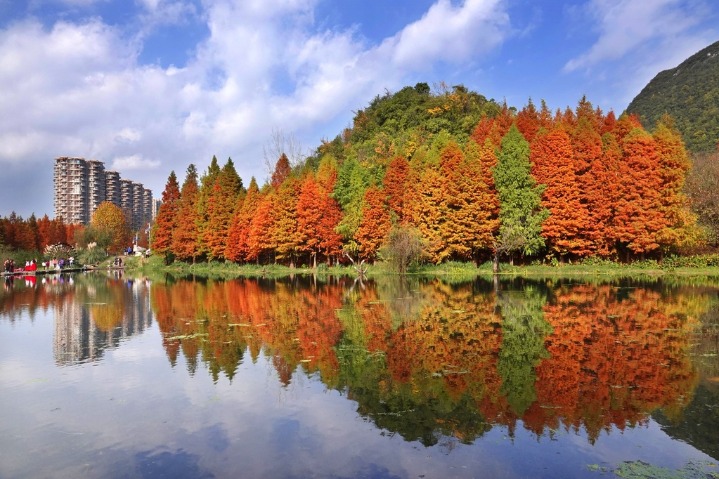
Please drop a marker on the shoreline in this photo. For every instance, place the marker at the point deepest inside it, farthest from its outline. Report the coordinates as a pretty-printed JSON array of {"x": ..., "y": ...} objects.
[{"x": 155, "y": 265}]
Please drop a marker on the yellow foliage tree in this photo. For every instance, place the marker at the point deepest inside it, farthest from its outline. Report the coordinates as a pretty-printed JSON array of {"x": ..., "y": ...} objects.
[{"x": 110, "y": 228}]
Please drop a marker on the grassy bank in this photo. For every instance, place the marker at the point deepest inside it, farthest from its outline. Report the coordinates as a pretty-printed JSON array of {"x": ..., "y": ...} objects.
[{"x": 155, "y": 266}]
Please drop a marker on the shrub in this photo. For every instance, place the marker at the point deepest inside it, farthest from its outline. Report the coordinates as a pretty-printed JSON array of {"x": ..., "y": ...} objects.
[{"x": 403, "y": 248}]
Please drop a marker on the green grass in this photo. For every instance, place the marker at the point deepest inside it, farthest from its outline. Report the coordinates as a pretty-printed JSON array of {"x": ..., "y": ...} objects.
[{"x": 215, "y": 269}]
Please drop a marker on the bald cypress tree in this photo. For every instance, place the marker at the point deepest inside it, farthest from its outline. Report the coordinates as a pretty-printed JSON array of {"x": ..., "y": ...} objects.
[
  {"x": 184, "y": 239},
  {"x": 166, "y": 220}
]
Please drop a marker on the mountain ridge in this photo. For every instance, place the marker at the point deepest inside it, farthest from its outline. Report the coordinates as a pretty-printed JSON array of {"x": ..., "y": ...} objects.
[{"x": 689, "y": 93}]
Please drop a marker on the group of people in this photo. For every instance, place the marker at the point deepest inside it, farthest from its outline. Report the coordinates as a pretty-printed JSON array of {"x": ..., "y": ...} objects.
[
  {"x": 30, "y": 266},
  {"x": 9, "y": 266},
  {"x": 59, "y": 263}
]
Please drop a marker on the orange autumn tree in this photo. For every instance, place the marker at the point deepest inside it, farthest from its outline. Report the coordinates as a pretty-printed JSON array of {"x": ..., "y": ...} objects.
[
  {"x": 593, "y": 174},
  {"x": 553, "y": 165},
  {"x": 184, "y": 239},
  {"x": 281, "y": 172},
  {"x": 429, "y": 210},
  {"x": 232, "y": 252},
  {"x": 237, "y": 249},
  {"x": 638, "y": 216},
  {"x": 453, "y": 230},
  {"x": 202, "y": 218},
  {"x": 260, "y": 241},
  {"x": 605, "y": 241},
  {"x": 166, "y": 220},
  {"x": 318, "y": 214},
  {"x": 528, "y": 121},
  {"x": 487, "y": 158},
  {"x": 374, "y": 224},
  {"x": 479, "y": 216},
  {"x": 284, "y": 231},
  {"x": 51, "y": 231},
  {"x": 220, "y": 208},
  {"x": 44, "y": 228},
  {"x": 493, "y": 129},
  {"x": 330, "y": 240},
  {"x": 309, "y": 215},
  {"x": 469, "y": 225},
  {"x": 395, "y": 187}
]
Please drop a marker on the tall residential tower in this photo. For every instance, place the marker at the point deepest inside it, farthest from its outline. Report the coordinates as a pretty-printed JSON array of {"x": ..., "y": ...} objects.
[{"x": 81, "y": 185}]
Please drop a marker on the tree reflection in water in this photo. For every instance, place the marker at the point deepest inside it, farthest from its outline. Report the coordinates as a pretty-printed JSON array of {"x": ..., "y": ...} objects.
[{"x": 429, "y": 360}]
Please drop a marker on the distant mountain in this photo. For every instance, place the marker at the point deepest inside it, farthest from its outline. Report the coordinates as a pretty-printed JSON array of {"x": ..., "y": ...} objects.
[{"x": 690, "y": 94}]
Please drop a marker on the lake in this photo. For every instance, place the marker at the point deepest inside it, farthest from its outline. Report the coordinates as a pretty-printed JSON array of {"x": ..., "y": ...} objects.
[{"x": 110, "y": 376}]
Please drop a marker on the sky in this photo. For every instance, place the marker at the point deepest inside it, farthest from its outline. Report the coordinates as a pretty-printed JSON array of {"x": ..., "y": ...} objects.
[{"x": 151, "y": 86}]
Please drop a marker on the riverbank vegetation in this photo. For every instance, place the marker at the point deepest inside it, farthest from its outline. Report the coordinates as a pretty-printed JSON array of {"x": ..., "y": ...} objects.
[
  {"x": 427, "y": 177},
  {"x": 706, "y": 266}
]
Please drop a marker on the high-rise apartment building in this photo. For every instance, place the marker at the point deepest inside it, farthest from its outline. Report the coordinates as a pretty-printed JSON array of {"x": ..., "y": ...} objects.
[
  {"x": 126, "y": 198},
  {"x": 70, "y": 192},
  {"x": 112, "y": 187},
  {"x": 138, "y": 204},
  {"x": 147, "y": 207},
  {"x": 96, "y": 185},
  {"x": 81, "y": 185}
]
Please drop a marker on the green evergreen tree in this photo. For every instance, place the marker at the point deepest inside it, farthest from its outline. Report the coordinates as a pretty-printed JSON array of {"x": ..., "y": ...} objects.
[
  {"x": 524, "y": 330},
  {"x": 520, "y": 214},
  {"x": 352, "y": 182}
]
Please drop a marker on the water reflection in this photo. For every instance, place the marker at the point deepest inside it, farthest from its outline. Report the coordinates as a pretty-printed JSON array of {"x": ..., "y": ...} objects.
[
  {"x": 430, "y": 360},
  {"x": 92, "y": 312}
]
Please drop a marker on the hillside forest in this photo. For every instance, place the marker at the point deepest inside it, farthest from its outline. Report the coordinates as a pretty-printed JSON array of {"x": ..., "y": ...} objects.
[{"x": 448, "y": 175}]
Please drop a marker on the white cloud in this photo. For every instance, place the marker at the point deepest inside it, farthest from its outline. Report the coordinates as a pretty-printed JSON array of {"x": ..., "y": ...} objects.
[
  {"x": 79, "y": 89},
  {"x": 635, "y": 40},
  {"x": 164, "y": 12},
  {"x": 628, "y": 25},
  {"x": 451, "y": 33},
  {"x": 134, "y": 162},
  {"x": 128, "y": 135}
]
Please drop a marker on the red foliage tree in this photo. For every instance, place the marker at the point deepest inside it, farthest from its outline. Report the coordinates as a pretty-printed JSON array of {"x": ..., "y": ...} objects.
[
  {"x": 309, "y": 215},
  {"x": 237, "y": 241},
  {"x": 592, "y": 180},
  {"x": 395, "y": 187},
  {"x": 638, "y": 217},
  {"x": 260, "y": 241},
  {"x": 166, "y": 220},
  {"x": 184, "y": 240},
  {"x": 282, "y": 171},
  {"x": 554, "y": 166},
  {"x": 374, "y": 225}
]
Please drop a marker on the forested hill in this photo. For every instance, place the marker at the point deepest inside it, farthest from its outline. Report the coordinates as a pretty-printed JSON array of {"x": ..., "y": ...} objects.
[
  {"x": 405, "y": 120},
  {"x": 455, "y": 110},
  {"x": 690, "y": 94}
]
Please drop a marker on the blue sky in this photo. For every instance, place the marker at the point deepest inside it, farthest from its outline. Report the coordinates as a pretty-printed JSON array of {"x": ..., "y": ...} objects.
[{"x": 150, "y": 86}]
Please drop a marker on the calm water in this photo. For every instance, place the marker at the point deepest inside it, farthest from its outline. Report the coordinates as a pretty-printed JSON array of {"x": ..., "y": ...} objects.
[{"x": 114, "y": 377}]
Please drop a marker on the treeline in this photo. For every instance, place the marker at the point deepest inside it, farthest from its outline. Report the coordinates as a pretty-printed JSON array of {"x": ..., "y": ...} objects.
[
  {"x": 447, "y": 176},
  {"x": 34, "y": 234}
]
